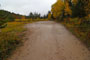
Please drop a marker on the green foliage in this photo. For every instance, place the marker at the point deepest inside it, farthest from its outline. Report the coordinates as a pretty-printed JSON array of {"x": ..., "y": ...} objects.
[
  {"x": 78, "y": 9},
  {"x": 2, "y": 23},
  {"x": 6, "y": 16},
  {"x": 33, "y": 15},
  {"x": 10, "y": 18}
]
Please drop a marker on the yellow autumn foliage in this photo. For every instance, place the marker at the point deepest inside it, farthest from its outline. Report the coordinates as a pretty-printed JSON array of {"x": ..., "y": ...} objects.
[
  {"x": 67, "y": 9},
  {"x": 57, "y": 8},
  {"x": 74, "y": 2},
  {"x": 49, "y": 16}
]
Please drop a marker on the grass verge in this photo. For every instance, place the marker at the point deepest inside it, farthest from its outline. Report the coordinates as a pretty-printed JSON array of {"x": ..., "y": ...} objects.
[
  {"x": 10, "y": 38},
  {"x": 80, "y": 29}
]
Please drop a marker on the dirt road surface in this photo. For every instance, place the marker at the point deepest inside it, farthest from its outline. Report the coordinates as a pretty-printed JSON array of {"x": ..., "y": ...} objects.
[{"x": 50, "y": 41}]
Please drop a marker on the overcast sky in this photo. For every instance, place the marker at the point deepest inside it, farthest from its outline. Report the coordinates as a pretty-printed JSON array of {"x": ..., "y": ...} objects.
[{"x": 26, "y": 6}]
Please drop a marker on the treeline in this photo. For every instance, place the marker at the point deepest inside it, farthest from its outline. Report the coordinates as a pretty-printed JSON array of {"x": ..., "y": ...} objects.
[
  {"x": 75, "y": 14},
  {"x": 36, "y": 15},
  {"x": 6, "y": 16},
  {"x": 70, "y": 8}
]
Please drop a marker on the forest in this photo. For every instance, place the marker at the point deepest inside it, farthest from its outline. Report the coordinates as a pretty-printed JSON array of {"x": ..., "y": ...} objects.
[{"x": 75, "y": 15}]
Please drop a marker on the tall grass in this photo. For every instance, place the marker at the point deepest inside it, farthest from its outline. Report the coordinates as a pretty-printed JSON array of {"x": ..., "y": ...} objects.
[{"x": 10, "y": 37}]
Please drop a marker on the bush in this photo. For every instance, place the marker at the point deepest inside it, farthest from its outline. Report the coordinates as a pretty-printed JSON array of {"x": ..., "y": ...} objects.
[{"x": 81, "y": 28}]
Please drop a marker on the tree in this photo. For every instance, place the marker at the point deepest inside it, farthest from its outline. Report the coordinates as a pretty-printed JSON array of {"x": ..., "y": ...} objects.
[
  {"x": 2, "y": 22},
  {"x": 57, "y": 9},
  {"x": 68, "y": 11},
  {"x": 78, "y": 9},
  {"x": 49, "y": 15},
  {"x": 34, "y": 15},
  {"x": 86, "y": 6},
  {"x": 31, "y": 15},
  {"x": 10, "y": 18}
]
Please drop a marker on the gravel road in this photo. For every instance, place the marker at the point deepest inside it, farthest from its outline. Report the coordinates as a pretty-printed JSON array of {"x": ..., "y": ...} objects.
[{"x": 50, "y": 41}]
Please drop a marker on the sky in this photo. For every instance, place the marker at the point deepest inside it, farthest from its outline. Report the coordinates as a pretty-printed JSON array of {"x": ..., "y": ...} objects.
[{"x": 24, "y": 7}]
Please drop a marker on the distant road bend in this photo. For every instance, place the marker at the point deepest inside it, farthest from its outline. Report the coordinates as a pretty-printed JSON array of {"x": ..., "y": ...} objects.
[{"x": 50, "y": 41}]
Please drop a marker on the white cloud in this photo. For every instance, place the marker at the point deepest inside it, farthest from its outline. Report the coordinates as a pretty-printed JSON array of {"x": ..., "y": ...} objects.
[{"x": 26, "y": 6}]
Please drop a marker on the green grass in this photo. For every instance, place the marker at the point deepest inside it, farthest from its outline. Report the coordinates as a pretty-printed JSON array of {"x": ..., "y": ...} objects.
[{"x": 10, "y": 37}]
